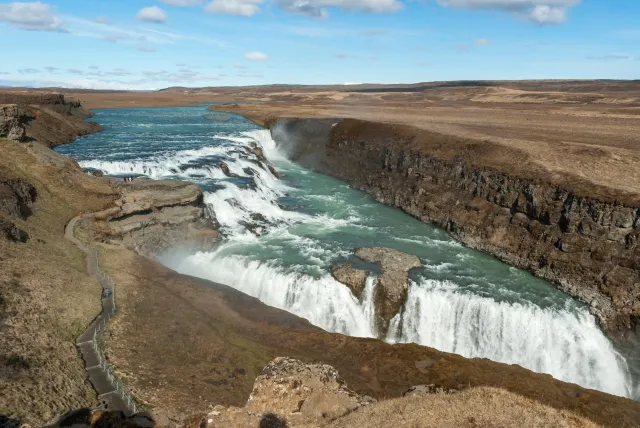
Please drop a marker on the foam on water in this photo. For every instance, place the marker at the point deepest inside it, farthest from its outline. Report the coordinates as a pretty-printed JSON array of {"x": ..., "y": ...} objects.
[
  {"x": 323, "y": 301},
  {"x": 569, "y": 346}
]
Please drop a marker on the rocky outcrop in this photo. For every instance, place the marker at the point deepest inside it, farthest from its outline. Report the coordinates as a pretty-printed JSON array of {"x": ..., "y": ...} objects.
[
  {"x": 589, "y": 247},
  {"x": 392, "y": 283},
  {"x": 352, "y": 277},
  {"x": 153, "y": 216},
  {"x": 226, "y": 171},
  {"x": 291, "y": 393},
  {"x": 392, "y": 286},
  {"x": 17, "y": 197},
  {"x": 11, "y": 126},
  {"x": 50, "y": 119}
]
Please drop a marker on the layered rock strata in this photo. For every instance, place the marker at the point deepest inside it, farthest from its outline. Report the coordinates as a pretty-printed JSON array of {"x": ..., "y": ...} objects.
[
  {"x": 153, "y": 216},
  {"x": 49, "y": 119},
  {"x": 588, "y": 246}
]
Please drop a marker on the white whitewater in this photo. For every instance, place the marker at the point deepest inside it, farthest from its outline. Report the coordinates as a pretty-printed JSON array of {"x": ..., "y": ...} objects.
[{"x": 565, "y": 344}]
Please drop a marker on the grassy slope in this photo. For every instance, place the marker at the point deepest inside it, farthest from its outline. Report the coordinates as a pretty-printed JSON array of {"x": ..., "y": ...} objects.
[{"x": 47, "y": 299}]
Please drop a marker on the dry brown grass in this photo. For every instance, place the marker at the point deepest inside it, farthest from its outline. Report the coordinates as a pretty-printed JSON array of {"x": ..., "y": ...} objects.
[
  {"x": 47, "y": 297},
  {"x": 474, "y": 408}
]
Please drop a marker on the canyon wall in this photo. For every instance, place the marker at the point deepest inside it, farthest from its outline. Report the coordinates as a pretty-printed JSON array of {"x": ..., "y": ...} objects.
[
  {"x": 587, "y": 246},
  {"x": 50, "y": 119}
]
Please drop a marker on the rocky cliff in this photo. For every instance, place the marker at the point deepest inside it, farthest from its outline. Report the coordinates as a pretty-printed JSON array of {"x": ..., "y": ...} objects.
[
  {"x": 585, "y": 240},
  {"x": 50, "y": 119},
  {"x": 152, "y": 216}
]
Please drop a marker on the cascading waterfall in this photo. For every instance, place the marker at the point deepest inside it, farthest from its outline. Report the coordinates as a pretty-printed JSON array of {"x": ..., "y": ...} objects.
[
  {"x": 566, "y": 345},
  {"x": 323, "y": 301},
  {"x": 282, "y": 235}
]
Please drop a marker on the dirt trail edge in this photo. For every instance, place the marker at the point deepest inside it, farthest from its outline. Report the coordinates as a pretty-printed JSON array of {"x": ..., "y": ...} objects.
[{"x": 110, "y": 391}]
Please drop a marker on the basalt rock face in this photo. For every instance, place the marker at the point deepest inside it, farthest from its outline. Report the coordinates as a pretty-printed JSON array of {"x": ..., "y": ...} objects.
[
  {"x": 11, "y": 124},
  {"x": 50, "y": 119},
  {"x": 590, "y": 248},
  {"x": 17, "y": 197}
]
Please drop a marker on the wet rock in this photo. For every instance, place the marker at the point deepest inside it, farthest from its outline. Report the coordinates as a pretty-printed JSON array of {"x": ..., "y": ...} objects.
[
  {"x": 97, "y": 173},
  {"x": 274, "y": 172},
  {"x": 391, "y": 290},
  {"x": 225, "y": 169},
  {"x": 352, "y": 277},
  {"x": 259, "y": 153}
]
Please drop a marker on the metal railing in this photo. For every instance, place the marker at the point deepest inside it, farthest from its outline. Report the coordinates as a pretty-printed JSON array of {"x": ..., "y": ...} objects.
[{"x": 107, "y": 283}]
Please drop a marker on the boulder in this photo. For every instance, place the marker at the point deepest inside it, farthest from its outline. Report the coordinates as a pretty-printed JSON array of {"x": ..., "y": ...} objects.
[
  {"x": 225, "y": 169},
  {"x": 259, "y": 153},
  {"x": 274, "y": 172}
]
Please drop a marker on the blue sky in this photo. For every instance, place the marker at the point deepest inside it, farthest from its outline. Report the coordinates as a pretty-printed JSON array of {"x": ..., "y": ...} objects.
[{"x": 151, "y": 44}]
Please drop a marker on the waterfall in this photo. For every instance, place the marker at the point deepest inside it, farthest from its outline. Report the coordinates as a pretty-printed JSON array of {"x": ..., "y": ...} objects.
[{"x": 567, "y": 345}]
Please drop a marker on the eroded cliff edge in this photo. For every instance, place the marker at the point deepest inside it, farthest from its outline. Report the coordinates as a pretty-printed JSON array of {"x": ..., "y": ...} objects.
[
  {"x": 48, "y": 118},
  {"x": 580, "y": 236}
]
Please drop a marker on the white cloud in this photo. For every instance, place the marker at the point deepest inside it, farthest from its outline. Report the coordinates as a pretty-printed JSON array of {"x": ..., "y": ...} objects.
[
  {"x": 318, "y": 8},
  {"x": 234, "y": 7},
  {"x": 152, "y": 14},
  {"x": 182, "y": 2},
  {"x": 482, "y": 42},
  {"x": 256, "y": 56},
  {"x": 537, "y": 11},
  {"x": 34, "y": 16}
]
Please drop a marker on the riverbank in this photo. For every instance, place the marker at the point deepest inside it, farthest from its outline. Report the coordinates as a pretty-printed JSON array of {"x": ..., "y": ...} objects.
[{"x": 550, "y": 211}]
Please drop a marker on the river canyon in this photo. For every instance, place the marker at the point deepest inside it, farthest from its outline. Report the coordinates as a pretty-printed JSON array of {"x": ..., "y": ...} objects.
[{"x": 285, "y": 225}]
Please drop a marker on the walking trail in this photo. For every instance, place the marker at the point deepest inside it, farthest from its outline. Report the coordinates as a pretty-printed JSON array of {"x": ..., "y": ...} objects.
[{"x": 110, "y": 391}]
